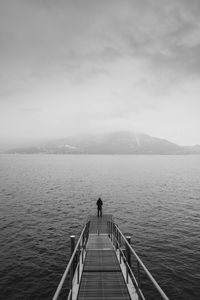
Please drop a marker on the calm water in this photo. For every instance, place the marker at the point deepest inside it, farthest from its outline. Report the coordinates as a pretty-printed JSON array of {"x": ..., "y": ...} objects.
[{"x": 45, "y": 198}]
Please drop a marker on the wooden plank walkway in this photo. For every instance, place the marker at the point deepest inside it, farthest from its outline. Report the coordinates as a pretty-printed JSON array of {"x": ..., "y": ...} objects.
[{"x": 102, "y": 278}]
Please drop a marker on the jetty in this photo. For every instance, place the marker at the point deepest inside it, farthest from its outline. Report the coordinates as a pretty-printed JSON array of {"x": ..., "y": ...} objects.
[{"x": 104, "y": 266}]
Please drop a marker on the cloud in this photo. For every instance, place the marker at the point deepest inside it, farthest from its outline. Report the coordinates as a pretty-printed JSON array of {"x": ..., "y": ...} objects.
[
  {"x": 98, "y": 62},
  {"x": 53, "y": 37}
]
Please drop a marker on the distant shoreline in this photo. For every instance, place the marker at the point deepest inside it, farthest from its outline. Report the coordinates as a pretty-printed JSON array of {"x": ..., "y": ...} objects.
[{"x": 117, "y": 143}]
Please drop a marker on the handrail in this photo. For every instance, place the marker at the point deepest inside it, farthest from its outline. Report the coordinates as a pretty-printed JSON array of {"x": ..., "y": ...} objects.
[
  {"x": 135, "y": 283},
  {"x": 70, "y": 263},
  {"x": 112, "y": 226}
]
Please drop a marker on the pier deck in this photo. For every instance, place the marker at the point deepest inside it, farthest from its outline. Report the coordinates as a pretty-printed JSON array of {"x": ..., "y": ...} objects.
[
  {"x": 104, "y": 266},
  {"x": 102, "y": 277}
]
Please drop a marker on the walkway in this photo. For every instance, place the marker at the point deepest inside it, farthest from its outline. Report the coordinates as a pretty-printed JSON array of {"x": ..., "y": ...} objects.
[{"x": 102, "y": 278}]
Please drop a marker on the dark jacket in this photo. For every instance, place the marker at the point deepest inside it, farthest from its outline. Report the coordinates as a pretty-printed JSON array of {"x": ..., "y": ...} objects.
[{"x": 99, "y": 203}]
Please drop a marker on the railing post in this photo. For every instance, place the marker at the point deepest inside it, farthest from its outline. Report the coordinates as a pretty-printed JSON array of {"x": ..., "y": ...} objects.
[
  {"x": 120, "y": 254},
  {"x": 108, "y": 228},
  {"x": 112, "y": 231},
  {"x": 128, "y": 256},
  {"x": 113, "y": 234},
  {"x": 138, "y": 274},
  {"x": 78, "y": 264},
  {"x": 128, "y": 251},
  {"x": 88, "y": 225},
  {"x": 138, "y": 278},
  {"x": 78, "y": 272},
  {"x": 126, "y": 272},
  {"x": 72, "y": 240},
  {"x": 119, "y": 240},
  {"x": 117, "y": 237},
  {"x": 82, "y": 256}
]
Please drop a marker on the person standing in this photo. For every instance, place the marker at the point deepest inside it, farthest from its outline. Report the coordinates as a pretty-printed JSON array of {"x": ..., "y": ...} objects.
[{"x": 99, "y": 207}]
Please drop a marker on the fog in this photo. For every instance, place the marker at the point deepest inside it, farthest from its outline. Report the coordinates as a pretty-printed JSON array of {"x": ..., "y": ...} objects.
[{"x": 72, "y": 67}]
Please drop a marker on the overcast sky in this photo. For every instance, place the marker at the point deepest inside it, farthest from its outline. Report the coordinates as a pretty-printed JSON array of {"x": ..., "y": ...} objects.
[{"x": 75, "y": 66}]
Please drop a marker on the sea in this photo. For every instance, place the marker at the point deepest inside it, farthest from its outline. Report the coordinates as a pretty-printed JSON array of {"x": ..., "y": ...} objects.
[{"x": 46, "y": 198}]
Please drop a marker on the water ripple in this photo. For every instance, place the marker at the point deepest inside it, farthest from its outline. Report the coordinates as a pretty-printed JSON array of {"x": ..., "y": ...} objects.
[{"x": 46, "y": 198}]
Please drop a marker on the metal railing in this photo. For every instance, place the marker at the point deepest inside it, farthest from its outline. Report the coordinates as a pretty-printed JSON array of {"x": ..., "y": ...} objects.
[
  {"x": 127, "y": 253},
  {"x": 77, "y": 258}
]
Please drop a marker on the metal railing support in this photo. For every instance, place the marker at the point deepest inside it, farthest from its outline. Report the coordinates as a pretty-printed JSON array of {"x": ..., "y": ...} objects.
[
  {"x": 82, "y": 246},
  {"x": 117, "y": 237},
  {"x": 119, "y": 240},
  {"x": 75, "y": 260},
  {"x": 126, "y": 272},
  {"x": 120, "y": 256},
  {"x": 114, "y": 240},
  {"x": 128, "y": 251},
  {"x": 138, "y": 277},
  {"x": 78, "y": 264},
  {"x": 72, "y": 242}
]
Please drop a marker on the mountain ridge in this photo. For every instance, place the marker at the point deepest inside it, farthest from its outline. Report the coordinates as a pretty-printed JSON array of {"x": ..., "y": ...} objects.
[{"x": 110, "y": 143}]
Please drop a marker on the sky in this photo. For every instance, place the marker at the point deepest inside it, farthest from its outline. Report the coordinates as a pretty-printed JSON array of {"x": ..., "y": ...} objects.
[{"x": 72, "y": 67}]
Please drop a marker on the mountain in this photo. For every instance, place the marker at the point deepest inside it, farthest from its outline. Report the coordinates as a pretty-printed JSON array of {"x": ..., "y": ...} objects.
[{"x": 111, "y": 143}]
